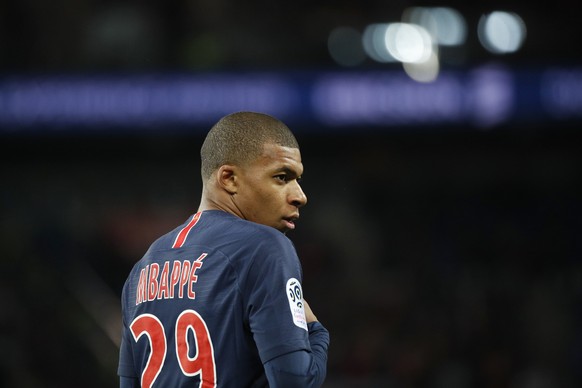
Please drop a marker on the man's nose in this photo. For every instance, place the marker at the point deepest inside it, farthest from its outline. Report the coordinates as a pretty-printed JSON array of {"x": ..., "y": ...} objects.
[{"x": 298, "y": 197}]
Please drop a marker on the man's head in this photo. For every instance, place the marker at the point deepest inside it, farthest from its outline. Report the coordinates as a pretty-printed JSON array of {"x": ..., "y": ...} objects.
[
  {"x": 239, "y": 138},
  {"x": 251, "y": 167}
]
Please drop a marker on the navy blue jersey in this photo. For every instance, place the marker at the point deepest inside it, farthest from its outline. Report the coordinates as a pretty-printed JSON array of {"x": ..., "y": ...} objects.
[{"x": 212, "y": 300}]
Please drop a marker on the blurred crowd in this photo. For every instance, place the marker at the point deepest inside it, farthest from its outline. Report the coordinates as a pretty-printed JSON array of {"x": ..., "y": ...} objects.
[{"x": 434, "y": 263}]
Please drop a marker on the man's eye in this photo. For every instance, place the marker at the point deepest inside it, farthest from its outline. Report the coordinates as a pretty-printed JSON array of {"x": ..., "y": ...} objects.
[{"x": 282, "y": 177}]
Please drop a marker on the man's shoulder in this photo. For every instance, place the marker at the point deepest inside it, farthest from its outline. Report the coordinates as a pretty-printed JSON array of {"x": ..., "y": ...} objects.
[{"x": 223, "y": 232}]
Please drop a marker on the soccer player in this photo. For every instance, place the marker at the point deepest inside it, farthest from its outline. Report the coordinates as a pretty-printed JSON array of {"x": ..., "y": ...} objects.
[{"x": 217, "y": 302}]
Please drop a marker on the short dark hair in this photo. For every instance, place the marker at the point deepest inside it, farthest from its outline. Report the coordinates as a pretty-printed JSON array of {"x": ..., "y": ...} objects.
[{"x": 239, "y": 138}]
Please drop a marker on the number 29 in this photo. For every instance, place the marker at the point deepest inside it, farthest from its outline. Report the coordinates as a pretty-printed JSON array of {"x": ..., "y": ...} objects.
[{"x": 202, "y": 363}]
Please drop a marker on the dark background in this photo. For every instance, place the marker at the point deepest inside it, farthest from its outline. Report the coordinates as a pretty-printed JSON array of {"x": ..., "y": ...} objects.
[{"x": 437, "y": 256}]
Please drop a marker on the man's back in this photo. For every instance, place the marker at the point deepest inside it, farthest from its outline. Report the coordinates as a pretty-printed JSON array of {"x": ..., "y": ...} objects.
[{"x": 216, "y": 298}]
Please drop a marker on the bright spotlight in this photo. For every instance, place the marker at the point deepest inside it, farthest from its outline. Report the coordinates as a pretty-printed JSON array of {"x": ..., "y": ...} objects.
[
  {"x": 374, "y": 42},
  {"x": 446, "y": 25},
  {"x": 501, "y": 32},
  {"x": 408, "y": 43}
]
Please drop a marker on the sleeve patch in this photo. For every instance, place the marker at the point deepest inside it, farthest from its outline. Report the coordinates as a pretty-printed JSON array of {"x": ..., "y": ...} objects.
[{"x": 295, "y": 296}]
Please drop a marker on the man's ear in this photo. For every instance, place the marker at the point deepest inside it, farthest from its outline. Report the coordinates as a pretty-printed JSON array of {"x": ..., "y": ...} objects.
[{"x": 227, "y": 178}]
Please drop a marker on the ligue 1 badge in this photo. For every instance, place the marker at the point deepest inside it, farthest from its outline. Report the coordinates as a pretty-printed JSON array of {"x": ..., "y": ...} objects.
[{"x": 295, "y": 296}]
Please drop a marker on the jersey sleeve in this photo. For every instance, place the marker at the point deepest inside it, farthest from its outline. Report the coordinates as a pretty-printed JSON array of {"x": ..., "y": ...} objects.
[
  {"x": 302, "y": 368},
  {"x": 274, "y": 298}
]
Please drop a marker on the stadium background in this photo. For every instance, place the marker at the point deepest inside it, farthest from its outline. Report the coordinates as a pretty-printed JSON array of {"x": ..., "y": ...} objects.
[{"x": 438, "y": 253}]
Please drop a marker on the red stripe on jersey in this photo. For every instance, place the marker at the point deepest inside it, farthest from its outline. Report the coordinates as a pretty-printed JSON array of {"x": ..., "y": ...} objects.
[{"x": 181, "y": 238}]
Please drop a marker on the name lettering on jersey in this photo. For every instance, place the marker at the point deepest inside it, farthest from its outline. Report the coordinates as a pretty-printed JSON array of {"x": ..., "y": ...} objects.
[{"x": 175, "y": 279}]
